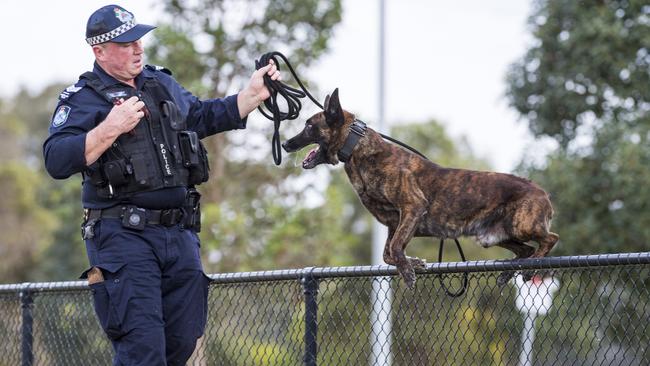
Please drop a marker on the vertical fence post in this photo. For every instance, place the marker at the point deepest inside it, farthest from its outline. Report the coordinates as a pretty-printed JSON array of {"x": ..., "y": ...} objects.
[
  {"x": 310, "y": 289},
  {"x": 26, "y": 304}
]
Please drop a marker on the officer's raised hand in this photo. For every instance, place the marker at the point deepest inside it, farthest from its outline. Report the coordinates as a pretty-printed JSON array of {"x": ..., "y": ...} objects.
[
  {"x": 256, "y": 92},
  {"x": 122, "y": 118}
]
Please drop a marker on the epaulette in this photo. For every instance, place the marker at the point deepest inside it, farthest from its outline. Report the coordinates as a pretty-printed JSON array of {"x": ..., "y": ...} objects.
[
  {"x": 158, "y": 68},
  {"x": 67, "y": 92}
]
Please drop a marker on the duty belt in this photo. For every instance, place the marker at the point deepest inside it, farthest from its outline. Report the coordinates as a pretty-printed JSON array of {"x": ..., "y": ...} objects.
[{"x": 167, "y": 217}]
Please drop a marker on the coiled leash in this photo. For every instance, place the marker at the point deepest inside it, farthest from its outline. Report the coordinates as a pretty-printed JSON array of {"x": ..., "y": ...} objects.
[
  {"x": 292, "y": 98},
  {"x": 291, "y": 95}
]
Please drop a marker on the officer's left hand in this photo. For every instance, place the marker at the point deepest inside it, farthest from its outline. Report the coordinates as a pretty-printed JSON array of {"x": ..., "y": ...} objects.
[
  {"x": 256, "y": 92},
  {"x": 256, "y": 84}
]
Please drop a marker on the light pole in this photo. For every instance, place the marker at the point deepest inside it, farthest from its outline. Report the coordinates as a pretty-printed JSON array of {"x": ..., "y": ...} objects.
[{"x": 382, "y": 296}]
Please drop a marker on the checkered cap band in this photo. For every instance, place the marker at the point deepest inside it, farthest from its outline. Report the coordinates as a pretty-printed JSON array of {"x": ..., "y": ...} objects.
[{"x": 112, "y": 34}]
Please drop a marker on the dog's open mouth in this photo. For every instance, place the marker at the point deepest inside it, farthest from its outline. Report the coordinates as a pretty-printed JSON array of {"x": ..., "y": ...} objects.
[{"x": 314, "y": 157}]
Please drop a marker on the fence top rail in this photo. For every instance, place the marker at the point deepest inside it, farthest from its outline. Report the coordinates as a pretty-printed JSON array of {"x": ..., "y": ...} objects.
[
  {"x": 379, "y": 270},
  {"x": 445, "y": 267}
]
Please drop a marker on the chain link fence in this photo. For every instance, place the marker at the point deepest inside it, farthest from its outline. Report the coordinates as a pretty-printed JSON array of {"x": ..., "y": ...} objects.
[{"x": 599, "y": 315}]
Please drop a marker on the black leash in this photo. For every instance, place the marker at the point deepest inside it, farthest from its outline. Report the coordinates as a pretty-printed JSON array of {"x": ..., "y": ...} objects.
[
  {"x": 465, "y": 274},
  {"x": 290, "y": 94},
  {"x": 292, "y": 98}
]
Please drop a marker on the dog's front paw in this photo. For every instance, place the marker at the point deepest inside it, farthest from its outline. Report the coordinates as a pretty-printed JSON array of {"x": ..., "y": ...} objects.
[
  {"x": 417, "y": 263},
  {"x": 504, "y": 277},
  {"x": 408, "y": 274}
]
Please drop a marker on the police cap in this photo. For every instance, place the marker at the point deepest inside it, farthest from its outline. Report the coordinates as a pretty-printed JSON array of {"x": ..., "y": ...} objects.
[{"x": 115, "y": 24}]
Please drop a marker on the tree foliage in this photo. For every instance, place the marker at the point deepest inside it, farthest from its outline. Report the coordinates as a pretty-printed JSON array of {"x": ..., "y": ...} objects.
[
  {"x": 214, "y": 43},
  {"x": 585, "y": 82},
  {"x": 28, "y": 224},
  {"x": 588, "y": 65}
]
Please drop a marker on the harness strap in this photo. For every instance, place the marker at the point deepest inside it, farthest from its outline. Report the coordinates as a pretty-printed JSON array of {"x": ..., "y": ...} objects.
[{"x": 96, "y": 84}]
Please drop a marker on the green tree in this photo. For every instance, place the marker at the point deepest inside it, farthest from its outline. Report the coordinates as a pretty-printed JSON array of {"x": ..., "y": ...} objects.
[
  {"x": 588, "y": 66},
  {"x": 585, "y": 83},
  {"x": 27, "y": 223}
]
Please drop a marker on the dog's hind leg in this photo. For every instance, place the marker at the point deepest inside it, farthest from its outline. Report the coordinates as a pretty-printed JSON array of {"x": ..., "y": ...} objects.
[
  {"x": 532, "y": 220},
  {"x": 546, "y": 243},
  {"x": 521, "y": 250}
]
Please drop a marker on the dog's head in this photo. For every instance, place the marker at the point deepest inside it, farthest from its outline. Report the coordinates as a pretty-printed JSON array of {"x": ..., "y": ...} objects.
[{"x": 325, "y": 129}]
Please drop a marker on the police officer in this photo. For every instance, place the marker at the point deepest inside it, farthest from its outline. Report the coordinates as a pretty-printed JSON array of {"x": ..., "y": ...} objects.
[{"x": 134, "y": 134}]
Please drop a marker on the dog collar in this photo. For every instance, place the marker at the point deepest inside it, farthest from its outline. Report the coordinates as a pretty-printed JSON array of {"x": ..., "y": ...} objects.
[{"x": 357, "y": 131}]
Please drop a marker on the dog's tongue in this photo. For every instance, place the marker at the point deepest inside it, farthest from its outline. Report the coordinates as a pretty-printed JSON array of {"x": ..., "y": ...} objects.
[{"x": 310, "y": 155}]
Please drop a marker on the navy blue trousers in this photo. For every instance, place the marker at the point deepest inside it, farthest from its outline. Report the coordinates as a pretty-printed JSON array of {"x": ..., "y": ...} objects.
[{"x": 152, "y": 303}]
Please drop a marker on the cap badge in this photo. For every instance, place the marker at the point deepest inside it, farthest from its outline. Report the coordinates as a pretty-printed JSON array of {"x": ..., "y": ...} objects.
[{"x": 123, "y": 15}]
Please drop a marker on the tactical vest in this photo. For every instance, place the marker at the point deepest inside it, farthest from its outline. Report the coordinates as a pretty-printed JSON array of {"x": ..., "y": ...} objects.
[{"x": 160, "y": 152}]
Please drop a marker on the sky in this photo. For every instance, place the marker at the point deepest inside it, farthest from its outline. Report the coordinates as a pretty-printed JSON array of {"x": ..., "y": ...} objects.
[{"x": 444, "y": 60}]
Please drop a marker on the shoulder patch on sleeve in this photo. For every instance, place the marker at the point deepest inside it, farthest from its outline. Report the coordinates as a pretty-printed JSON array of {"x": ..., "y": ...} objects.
[
  {"x": 159, "y": 68},
  {"x": 69, "y": 91},
  {"x": 61, "y": 115}
]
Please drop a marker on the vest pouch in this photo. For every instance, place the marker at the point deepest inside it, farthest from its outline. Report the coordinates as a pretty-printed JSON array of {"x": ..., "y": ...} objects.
[
  {"x": 95, "y": 176},
  {"x": 171, "y": 115},
  {"x": 117, "y": 172},
  {"x": 141, "y": 171},
  {"x": 202, "y": 171},
  {"x": 195, "y": 157},
  {"x": 189, "y": 144}
]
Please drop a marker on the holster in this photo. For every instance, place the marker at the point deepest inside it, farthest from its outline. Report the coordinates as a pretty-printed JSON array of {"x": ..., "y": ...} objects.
[{"x": 192, "y": 210}]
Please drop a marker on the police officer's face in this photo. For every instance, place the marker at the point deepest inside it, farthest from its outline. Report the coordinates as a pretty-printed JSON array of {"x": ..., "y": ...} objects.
[{"x": 123, "y": 61}]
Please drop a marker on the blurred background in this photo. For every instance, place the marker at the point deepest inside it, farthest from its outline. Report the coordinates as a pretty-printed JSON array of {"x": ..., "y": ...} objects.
[{"x": 554, "y": 90}]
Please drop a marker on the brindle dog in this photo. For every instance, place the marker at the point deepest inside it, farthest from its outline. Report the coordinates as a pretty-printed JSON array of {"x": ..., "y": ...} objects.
[{"x": 413, "y": 196}]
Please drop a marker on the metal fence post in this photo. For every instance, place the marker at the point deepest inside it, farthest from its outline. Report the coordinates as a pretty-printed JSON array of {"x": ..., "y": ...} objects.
[
  {"x": 310, "y": 289},
  {"x": 26, "y": 304}
]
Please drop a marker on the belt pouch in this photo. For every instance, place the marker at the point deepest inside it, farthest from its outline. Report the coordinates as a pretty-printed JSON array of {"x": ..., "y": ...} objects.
[{"x": 116, "y": 172}]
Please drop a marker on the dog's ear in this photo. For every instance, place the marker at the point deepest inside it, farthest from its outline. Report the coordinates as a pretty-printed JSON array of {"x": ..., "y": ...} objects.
[
  {"x": 333, "y": 110},
  {"x": 327, "y": 102}
]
